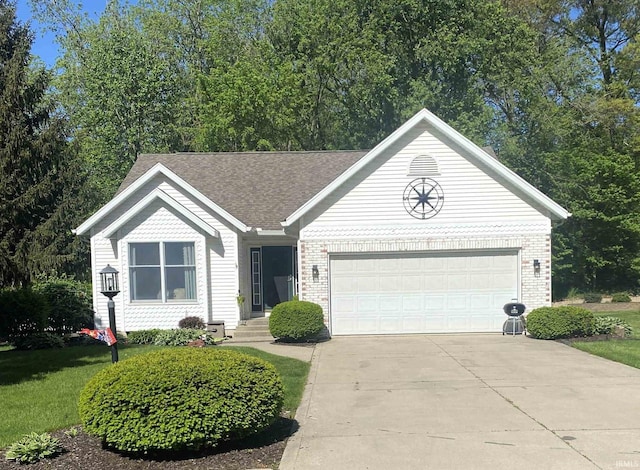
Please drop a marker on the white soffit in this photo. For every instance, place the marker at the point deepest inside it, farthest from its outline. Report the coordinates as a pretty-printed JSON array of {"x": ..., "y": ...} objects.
[
  {"x": 471, "y": 149},
  {"x": 157, "y": 169},
  {"x": 168, "y": 200}
]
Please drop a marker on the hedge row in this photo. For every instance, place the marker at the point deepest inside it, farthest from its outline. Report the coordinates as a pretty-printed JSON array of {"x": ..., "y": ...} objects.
[{"x": 57, "y": 306}]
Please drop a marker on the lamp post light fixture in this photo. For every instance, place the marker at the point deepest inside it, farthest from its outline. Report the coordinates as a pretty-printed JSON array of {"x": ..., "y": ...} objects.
[{"x": 110, "y": 288}]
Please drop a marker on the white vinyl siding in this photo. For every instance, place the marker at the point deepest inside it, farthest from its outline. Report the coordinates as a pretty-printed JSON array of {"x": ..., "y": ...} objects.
[
  {"x": 373, "y": 197},
  {"x": 399, "y": 293}
]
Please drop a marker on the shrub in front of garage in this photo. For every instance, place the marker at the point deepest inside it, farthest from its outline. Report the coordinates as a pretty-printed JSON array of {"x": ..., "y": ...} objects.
[
  {"x": 560, "y": 322},
  {"x": 296, "y": 320},
  {"x": 181, "y": 399}
]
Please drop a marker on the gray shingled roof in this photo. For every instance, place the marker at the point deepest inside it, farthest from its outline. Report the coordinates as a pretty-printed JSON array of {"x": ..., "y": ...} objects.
[{"x": 259, "y": 188}]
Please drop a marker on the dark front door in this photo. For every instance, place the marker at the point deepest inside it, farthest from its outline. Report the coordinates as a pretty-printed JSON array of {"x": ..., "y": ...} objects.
[
  {"x": 277, "y": 269},
  {"x": 272, "y": 276}
]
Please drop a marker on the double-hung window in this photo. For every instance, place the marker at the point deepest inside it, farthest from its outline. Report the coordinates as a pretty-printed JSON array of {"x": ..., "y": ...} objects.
[{"x": 162, "y": 271}]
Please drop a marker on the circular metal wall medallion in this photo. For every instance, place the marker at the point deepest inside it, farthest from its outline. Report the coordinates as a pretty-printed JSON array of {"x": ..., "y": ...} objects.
[{"x": 423, "y": 198}]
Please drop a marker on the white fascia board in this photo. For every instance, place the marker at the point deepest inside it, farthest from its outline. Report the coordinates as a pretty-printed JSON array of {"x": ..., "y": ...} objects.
[
  {"x": 148, "y": 199},
  {"x": 270, "y": 233},
  {"x": 144, "y": 179},
  {"x": 424, "y": 115}
]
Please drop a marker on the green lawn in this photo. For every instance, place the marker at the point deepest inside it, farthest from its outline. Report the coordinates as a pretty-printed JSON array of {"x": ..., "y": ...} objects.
[
  {"x": 39, "y": 390},
  {"x": 626, "y": 351}
]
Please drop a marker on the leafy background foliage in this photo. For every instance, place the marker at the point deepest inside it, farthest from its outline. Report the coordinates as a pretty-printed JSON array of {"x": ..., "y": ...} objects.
[{"x": 552, "y": 86}]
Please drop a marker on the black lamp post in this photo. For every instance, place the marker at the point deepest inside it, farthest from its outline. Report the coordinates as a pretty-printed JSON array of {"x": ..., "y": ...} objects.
[{"x": 109, "y": 288}]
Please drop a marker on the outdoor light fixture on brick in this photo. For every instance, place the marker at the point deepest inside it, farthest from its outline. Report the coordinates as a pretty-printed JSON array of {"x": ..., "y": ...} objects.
[
  {"x": 536, "y": 266},
  {"x": 315, "y": 273},
  {"x": 110, "y": 288}
]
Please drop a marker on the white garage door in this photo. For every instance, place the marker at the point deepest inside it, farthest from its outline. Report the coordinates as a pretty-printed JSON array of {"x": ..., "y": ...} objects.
[{"x": 421, "y": 293}]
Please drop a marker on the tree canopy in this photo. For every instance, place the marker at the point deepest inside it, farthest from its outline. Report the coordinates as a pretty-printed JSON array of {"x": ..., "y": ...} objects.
[
  {"x": 552, "y": 85},
  {"x": 41, "y": 178}
]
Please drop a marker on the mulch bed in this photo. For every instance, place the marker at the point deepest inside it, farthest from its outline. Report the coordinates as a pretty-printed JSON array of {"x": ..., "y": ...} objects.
[
  {"x": 263, "y": 450},
  {"x": 588, "y": 339}
]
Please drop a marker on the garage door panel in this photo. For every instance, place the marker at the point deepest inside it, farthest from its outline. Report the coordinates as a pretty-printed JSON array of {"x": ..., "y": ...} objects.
[
  {"x": 391, "y": 304},
  {"x": 345, "y": 304},
  {"x": 457, "y": 281},
  {"x": 458, "y": 302},
  {"x": 367, "y": 304},
  {"x": 434, "y": 303},
  {"x": 367, "y": 284},
  {"x": 421, "y": 293},
  {"x": 482, "y": 301},
  {"x": 413, "y": 324},
  {"x": 407, "y": 264},
  {"x": 501, "y": 281},
  {"x": 390, "y": 283},
  {"x": 412, "y": 303},
  {"x": 390, "y": 324}
]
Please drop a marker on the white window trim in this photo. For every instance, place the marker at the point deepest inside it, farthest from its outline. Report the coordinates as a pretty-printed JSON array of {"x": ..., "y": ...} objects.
[{"x": 163, "y": 300}]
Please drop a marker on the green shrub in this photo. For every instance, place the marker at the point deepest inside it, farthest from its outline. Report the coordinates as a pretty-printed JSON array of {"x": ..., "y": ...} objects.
[
  {"x": 143, "y": 336},
  {"x": 296, "y": 320},
  {"x": 620, "y": 297},
  {"x": 560, "y": 322},
  {"x": 38, "y": 341},
  {"x": 192, "y": 322},
  {"x": 181, "y": 399},
  {"x": 70, "y": 307},
  {"x": 606, "y": 325},
  {"x": 592, "y": 298},
  {"x": 22, "y": 313},
  {"x": 180, "y": 337},
  {"x": 33, "y": 447}
]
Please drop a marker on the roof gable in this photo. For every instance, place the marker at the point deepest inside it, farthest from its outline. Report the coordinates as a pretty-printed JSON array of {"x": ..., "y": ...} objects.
[
  {"x": 158, "y": 194},
  {"x": 131, "y": 189},
  {"x": 471, "y": 150}
]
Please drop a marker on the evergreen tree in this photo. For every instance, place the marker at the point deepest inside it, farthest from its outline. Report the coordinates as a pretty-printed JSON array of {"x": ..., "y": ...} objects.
[{"x": 40, "y": 181}]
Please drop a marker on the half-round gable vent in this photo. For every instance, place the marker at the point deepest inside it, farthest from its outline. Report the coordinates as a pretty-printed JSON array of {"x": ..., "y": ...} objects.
[{"x": 423, "y": 165}]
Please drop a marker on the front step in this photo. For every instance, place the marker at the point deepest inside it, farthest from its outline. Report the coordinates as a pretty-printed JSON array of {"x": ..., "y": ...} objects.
[{"x": 255, "y": 329}]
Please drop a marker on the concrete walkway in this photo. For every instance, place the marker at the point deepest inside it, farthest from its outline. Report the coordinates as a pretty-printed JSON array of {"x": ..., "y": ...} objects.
[
  {"x": 464, "y": 402},
  {"x": 302, "y": 352}
]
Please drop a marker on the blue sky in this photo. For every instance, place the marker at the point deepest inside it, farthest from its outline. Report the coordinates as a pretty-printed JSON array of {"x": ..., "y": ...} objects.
[{"x": 44, "y": 44}]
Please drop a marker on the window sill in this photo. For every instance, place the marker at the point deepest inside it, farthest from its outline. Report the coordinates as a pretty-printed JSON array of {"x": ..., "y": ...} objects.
[{"x": 160, "y": 302}]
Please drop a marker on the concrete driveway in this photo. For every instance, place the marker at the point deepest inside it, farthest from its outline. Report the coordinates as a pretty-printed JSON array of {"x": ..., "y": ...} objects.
[{"x": 464, "y": 402}]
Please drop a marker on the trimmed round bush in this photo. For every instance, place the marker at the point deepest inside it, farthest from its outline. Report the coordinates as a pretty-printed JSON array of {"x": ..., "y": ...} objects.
[
  {"x": 195, "y": 323},
  {"x": 620, "y": 297},
  {"x": 180, "y": 399},
  {"x": 296, "y": 320},
  {"x": 560, "y": 322}
]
